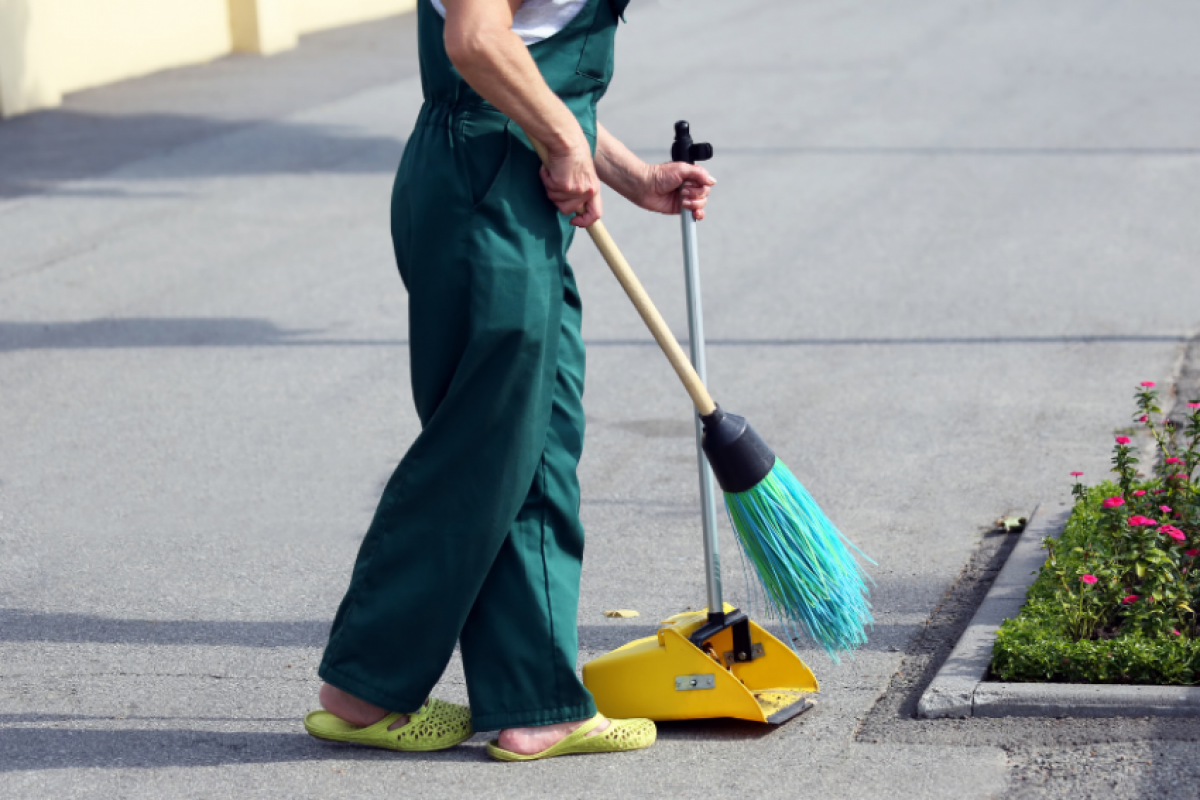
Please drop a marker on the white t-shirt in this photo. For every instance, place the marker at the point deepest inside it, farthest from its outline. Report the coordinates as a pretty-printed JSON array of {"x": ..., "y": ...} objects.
[{"x": 537, "y": 19}]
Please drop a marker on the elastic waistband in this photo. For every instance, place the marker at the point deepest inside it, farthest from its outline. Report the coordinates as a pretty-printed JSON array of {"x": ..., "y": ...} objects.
[
  {"x": 445, "y": 114},
  {"x": 438, "y": 111}
]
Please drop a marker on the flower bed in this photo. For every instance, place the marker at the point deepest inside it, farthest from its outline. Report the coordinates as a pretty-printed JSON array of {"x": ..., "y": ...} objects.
[{"x": 1115, "y": 600}]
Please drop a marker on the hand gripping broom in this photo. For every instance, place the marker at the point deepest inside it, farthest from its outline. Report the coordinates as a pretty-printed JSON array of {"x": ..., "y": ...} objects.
[{"x": 808, "y": 574}]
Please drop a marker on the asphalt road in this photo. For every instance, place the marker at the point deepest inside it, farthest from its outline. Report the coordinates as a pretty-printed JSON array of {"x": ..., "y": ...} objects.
[{"x": 948, "y": 240}]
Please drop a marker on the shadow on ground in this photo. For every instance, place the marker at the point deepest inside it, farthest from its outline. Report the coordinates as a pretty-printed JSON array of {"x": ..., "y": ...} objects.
[
  {"x": 22, "y": 625},
  {"x": 27, "y": 748},
  {"x": 57, "y": 748},
  {"x": 39, "y": 167},
  {"x": 149, "y": 332},
  {"x": 135, "y": 332},
  {"x": 18, "y": 625},
  {"x": 102, "y": 129}
]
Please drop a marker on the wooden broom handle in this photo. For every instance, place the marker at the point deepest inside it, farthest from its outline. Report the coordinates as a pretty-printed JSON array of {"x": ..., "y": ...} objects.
[{"x": 645, "y": 306}]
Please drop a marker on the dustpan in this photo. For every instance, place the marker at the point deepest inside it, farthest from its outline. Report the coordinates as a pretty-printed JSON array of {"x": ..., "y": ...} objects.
[{"x": 708, "y": 663}]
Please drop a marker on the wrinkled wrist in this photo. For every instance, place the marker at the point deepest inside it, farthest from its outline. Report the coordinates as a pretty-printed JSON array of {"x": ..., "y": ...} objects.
[
  {"x": 643, "y": 180},
  {"x": 570, "y": 145},
  {"x": 649, "y": 176}
]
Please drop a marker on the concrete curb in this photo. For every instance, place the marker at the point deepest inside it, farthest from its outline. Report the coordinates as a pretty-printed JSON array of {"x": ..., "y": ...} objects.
[
  {"x": 1084, "y": 700},
  {"x": 952, "y": 692},
  {"x": 959, "y": 688}
]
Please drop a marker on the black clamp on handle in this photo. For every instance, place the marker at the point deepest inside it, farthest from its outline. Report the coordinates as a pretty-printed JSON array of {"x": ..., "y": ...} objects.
[{"x": 684, "y": 149}]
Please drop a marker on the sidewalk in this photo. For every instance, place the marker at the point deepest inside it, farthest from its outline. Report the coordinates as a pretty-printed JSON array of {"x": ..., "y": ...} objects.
[{"x": 947, "y": 241}]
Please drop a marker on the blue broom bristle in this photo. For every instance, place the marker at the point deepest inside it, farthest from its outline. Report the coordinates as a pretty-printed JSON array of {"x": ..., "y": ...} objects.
[{"x": 810, "y": 579}]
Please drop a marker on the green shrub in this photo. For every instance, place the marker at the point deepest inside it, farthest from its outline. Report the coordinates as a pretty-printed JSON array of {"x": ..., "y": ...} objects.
[{"x": 1114, "y": 601}]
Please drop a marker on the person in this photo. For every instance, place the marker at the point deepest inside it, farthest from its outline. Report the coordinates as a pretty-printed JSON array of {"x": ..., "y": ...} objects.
[{"x": 477, "y": 538}]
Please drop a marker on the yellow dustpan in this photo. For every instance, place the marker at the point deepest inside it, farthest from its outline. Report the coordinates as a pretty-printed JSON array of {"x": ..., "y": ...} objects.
[{"x": 669, "y": 676}]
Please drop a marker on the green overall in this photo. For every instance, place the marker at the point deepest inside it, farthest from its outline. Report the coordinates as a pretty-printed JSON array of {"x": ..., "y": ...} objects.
[{"x": 477, "y": 538}]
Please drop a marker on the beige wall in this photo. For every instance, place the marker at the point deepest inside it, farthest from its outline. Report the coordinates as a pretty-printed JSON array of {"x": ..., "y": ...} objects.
[
  {"x": 268, "y": 26},
  {"x": 316, "y": 15},
  {"x": 21, "y": 44},
  {"x": 49, "y": 47}
]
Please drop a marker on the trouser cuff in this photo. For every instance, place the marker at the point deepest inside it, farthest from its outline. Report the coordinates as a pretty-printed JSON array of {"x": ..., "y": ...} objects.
[
  {"x": 363, "y": 691},
  {"x": 527, "y": 719}
]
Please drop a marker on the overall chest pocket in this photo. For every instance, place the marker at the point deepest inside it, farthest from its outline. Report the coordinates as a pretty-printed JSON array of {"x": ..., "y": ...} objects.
[{"x": 596, "y": 60}]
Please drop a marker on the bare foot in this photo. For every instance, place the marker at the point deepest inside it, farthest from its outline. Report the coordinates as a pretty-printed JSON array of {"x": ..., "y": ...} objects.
[
  {"x": 356, "y": 712},
  {"x": 527, "y": 741}
]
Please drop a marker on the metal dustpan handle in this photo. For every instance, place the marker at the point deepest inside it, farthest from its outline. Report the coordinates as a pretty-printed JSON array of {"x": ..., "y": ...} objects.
[{"x": 684, "y": 149}]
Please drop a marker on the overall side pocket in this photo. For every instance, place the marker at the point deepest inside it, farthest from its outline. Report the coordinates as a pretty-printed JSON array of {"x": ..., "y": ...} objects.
[{"x": 486, "y": 151}]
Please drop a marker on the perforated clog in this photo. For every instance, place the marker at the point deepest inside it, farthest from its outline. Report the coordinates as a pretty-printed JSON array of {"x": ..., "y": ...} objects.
[
  {"x": 437, "y": 726},
  {"x": 620, "y": 736}
]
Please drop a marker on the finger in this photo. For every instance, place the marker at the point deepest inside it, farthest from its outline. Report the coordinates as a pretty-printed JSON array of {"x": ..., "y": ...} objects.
[
  {"x": 567, "y": 206},
  {"x": 574, "y": 198},
  {"x": 587, "y": 192},
  {"x": 580, "y": 194},
  {"x": 585, "y": 217},
  {"x": 555, "y": 191},
  {"x": 698, "y": 175},
  {"x": 589, "y": 214},
  {"x": 571, "y": 202}
]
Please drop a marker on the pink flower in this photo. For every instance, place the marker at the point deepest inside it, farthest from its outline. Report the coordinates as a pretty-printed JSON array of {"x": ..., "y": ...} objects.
[
  {"x": 1088, "y": 579},
  {"x": 1193, "y": 405},
  {"x": 1174, "y": 460},
  {"x": 1143, "y": 418},
  {"x": 1173, "y": 532},
  {"x": 1182, "y": 475},
  {"x": 1193, "y": 553},
  {"x": 1076, "y": 474},
  {"x": 1176, "y": 632},
  {"x": 1165, "y": 509},
  {"x": 1159, "y": 491},
  {"x": 1138, "y": 521},
  {"x": 1113, "y": 502},
  {"x": 1148, "y": 384},
  {"x": 1139, "y": 493},
  {"x": 1122, "y": 440},
  {"x": 1130, "y": 599}
]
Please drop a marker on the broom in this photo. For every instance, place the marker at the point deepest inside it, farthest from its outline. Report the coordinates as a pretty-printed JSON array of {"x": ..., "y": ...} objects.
[{"x": 809, "y": 577}]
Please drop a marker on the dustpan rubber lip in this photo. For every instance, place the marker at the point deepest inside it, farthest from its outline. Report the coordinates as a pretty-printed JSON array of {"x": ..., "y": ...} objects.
[{"x": 739, "y": 457}]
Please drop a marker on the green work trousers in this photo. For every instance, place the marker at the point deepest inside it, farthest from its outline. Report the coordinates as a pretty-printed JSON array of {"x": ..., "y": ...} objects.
[{"x": 477, "y": 537}]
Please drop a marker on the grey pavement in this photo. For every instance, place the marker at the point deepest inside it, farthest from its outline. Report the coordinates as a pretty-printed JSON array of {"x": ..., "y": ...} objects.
[{"x": 948, "y": 239}]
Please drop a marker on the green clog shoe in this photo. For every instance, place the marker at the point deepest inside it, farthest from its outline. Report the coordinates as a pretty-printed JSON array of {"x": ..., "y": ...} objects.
[
  {"x": 620, "y": 736},
  {"x": 437, "y": 726}
]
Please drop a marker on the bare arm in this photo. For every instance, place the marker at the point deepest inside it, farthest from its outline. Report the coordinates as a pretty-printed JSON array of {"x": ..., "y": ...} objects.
[
  {"x": 495, "y": 62},
  {"x": 655, "y": 187}
]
